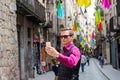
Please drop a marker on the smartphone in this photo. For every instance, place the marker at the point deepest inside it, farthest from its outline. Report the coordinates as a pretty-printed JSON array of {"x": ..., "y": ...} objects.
[{"x": 48, "y": 43}]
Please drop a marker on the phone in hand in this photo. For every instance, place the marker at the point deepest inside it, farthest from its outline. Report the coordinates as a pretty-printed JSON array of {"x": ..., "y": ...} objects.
[{"x": 48, "y": 43}]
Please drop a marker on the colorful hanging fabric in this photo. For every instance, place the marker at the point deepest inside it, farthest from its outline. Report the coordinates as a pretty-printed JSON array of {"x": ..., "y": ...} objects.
[
  {"x": 85, "y": 3},
  {"x": 93, "y": 35},
  {"x": 84, "y": 38},
  {"x": 82, "y": 44},
  {"x": 92, "y": 43},
  {"x": 81, "y": 39},
  {"x": 78, "y": 29},
  {"x": 60, "y": 11},
  {"x": 98, "y": 20},
  {"x": 100, "y": 27},
  {"x": 89, "y": 50},
  {"x": 75, "y": 26},
  {"x": 80, "y": 3},
  {"x": 85, "y": 45},
  {"x": 106, "y": 4},
  {"x": 98, "y": 17}
]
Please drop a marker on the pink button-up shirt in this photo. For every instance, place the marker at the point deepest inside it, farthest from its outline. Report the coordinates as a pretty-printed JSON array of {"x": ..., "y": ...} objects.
[{"x": 72, "y": 60}]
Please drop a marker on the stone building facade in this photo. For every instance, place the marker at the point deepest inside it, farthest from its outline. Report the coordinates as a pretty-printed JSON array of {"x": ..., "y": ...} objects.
[
  {"x": 19, "y": 26},
  {"x": 8, "y": 41}
]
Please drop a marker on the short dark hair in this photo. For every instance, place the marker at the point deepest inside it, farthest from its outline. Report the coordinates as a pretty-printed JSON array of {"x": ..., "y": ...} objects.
[{"x": 68, "y": 29}]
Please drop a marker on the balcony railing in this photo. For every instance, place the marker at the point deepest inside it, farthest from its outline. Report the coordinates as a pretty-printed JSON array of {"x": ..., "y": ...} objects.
[
  {"x": 39, "y": 9},
  {"x": 33, "y": 7},
  {"x": 118, "y": 7},
  {"x": 115, "y": 24}
]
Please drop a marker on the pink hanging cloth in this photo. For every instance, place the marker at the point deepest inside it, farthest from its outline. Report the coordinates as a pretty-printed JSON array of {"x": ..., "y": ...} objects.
[{"x": 106, "y": 4}]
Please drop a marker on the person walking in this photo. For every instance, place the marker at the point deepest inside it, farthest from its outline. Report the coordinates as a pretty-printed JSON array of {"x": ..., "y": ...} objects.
[
  {"x": 55, "y": 68},
  {"x": 83, "y": 62},
  {"x": 101, "y": 60},
  {"x": 88, "y": 60},
  {"x": 69, "y": 59}
]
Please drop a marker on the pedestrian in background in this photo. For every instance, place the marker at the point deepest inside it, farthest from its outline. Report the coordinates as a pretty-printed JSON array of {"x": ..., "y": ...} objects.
[
  {"x": 69, "y": 59},
  {"x": 55, "y": 68},
  {"x": 83, "y": 62},
  {"x": 101, "y": 60},
  {"x": 88, "y": 59}
]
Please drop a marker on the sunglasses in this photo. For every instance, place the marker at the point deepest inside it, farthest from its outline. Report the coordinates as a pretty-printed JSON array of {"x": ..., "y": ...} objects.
[{"x": 64, "y": 36}]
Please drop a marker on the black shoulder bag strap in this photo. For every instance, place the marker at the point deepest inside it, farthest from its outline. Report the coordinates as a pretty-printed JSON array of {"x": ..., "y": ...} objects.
[
  {"x": 75, "y": 70},
  {"x": 68, "y": 52}
]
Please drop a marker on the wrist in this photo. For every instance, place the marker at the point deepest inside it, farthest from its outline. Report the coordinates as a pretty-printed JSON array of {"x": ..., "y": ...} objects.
[{"x": 57, "y": 55}]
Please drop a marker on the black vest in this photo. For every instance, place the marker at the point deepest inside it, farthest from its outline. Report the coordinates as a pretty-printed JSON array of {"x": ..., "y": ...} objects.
[{"x": 65, "y": 73}]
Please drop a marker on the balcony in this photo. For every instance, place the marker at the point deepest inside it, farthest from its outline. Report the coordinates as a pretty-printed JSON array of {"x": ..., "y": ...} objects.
[
  {"x": 118, "y": 7},
  {"x": 115, "y": 24},
  {"x": 47, "y": 24},
  {"x": 32, "y": 9}
]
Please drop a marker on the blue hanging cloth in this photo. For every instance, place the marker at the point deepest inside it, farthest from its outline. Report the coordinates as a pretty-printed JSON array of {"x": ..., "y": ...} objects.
[{"x": 60, "y": 11}]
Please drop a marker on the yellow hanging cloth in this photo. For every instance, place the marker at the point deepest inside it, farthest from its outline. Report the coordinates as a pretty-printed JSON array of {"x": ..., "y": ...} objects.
[
  {"x": 74, "y": 28},
  {"x": 80, "y": 2},
  {"x": 87, "y": 3}
]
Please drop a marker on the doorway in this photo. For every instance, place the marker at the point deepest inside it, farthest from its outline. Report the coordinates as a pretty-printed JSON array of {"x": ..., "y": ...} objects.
[
  {"x": 19, "y": 55},
  {"x": 118, "y": 45}
]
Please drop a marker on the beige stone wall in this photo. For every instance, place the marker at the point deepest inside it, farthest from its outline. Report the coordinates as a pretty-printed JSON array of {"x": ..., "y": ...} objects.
[{"x": 8, "y": 41}]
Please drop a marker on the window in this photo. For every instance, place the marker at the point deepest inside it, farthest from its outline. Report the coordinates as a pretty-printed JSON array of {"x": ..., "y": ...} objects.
[{"x": 29, "y": 32}]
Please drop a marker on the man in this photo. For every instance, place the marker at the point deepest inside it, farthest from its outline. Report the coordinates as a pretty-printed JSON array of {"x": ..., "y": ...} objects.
[
  {"x": 83, "y": 62},
  {"x": 69, "y": 59}
]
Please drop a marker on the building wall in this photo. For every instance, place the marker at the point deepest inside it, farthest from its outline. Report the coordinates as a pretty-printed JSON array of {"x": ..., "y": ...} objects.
[
  {"x": 8, "y": 41},
  {"x": 114, "y": 47},
  {"x": 26, "y": 54}
]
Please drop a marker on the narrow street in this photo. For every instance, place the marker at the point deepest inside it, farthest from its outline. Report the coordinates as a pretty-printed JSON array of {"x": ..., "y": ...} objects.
[
  {"x": 91, "y": 25},
  {"x": 92, "y": 72}
]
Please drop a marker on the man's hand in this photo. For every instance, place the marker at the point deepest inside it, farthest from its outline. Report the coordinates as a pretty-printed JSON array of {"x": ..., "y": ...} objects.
[{"x": 52, "y": 51}]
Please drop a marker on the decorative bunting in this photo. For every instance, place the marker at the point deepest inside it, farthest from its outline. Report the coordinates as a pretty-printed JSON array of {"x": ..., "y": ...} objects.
[
  {"x": 81, "y": 39},
  {"x": 98, "y": 20},
  {"x": 100, "y": 27},
  {"x": 93, "y": 35},
  {"x": 80, "y": 3},
  {"x": 78, "y": 29},
  {"x": 106, "y": 4},
  {"x": 60, "y": 11},
  {"x": 92, "y": 43},
  {"x": 75, "y": 26},
  {"x": 84, "y": 38},
  {"x": 85, "y": 3}
]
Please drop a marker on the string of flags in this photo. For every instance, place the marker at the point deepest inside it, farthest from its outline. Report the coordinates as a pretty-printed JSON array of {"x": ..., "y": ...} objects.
[
  {"x": 98, "y": 20},
  {"x": 106, "y": 4},
  {"x": 85, "y": 3},
  {"x": 76, "y": 26},
  {"x": 60, "y": 11}
]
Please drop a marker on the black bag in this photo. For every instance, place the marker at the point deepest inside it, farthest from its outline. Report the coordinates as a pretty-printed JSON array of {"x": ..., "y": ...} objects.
[
  {"x": 75, "y": 70},
  {"x": 75, "y": 77}
]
